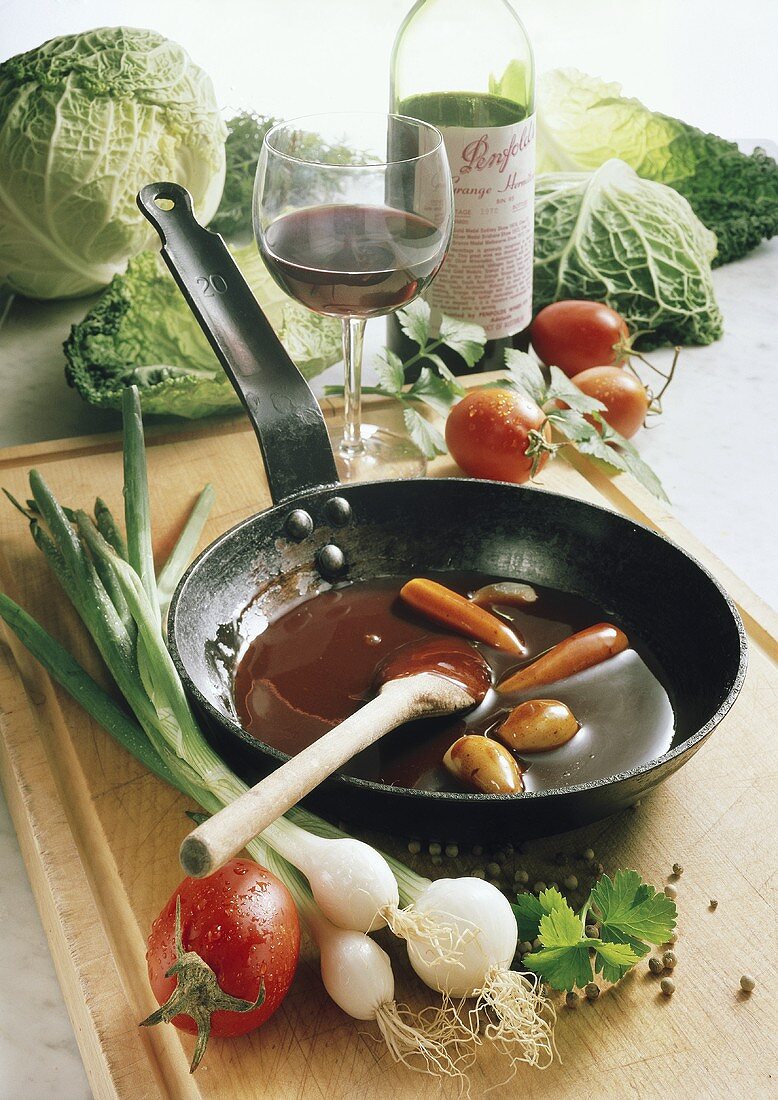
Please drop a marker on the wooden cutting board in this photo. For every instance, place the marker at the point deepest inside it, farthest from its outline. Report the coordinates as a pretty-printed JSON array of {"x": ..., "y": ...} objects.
[{"x": 100, "y": 838}]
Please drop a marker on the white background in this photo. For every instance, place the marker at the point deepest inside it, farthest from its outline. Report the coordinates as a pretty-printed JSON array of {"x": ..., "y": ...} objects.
[{"x": 710, "y": 62}]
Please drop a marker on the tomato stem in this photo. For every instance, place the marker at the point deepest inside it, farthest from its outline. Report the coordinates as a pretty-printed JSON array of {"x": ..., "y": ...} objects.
[{"x": 197, "y": 994}]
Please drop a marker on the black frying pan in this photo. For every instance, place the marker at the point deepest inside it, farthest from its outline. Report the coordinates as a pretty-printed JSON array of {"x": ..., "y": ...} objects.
[{"x": 320, "y": 531}]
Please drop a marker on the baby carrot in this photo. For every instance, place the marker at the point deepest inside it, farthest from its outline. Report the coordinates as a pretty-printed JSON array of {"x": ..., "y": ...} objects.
[
  {"x": 582, "y": 650},
  {"x": 460, "y": 615}
]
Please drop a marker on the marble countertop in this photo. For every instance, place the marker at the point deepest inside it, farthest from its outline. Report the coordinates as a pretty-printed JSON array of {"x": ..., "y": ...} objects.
[{"x": 715, "y": 450}]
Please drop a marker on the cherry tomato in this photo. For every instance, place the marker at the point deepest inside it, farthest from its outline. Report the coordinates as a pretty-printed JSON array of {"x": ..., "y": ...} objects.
[
  {"x": 487, "y": 434},
  {"x": 622, "y": 394},
  {"x": 577, "y": 335},
  {"x": 242, "y": 922}
]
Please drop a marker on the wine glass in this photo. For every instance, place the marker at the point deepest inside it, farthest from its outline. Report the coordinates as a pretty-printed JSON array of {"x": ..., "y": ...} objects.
[{"x": 353, "y": 215}]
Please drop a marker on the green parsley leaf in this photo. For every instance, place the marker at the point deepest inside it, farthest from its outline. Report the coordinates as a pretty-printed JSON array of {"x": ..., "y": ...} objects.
[
  {"x": 530, "y": 908},
  {"x": 527, "y": 910},
  {"x": 390, "y": 371},
  {"x": 433, "y": 390},
  {"x": 526, "y": 375},
  {"x": 613, "y": 960},
  {"x": 425, "y": 435},
  {"x": 562, "y": 388},
  {"x": 562, "y": 967},
  {"x": 561, "y": 927},
  {"x": 464, "y": 337},
  {"x": 415, "y": 321},
  {"x": 629, "y": 909}
]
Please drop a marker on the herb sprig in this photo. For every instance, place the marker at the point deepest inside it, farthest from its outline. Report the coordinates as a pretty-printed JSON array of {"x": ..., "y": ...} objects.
[
  {"x": 436, "y": 387},
  {"x": 631, "y": 914}
]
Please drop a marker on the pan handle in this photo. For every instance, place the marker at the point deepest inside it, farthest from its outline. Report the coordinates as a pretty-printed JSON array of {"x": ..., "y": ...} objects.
[{"x": 284, "y": 413}]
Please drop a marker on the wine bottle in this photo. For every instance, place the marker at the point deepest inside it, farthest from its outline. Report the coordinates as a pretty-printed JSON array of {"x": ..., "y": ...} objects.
[{"x": 468, "y": 68}]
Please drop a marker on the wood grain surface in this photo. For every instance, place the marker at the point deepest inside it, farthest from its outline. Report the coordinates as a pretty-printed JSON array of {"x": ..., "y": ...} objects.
[{"x": 100, "y": 838}]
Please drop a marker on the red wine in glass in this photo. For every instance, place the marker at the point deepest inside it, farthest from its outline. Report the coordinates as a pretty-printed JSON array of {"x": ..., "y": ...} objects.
[{"x": 352, "y": 260}]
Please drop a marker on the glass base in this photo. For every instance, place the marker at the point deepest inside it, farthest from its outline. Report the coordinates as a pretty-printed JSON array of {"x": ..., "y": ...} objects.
[{"x": 383, "y": 455}]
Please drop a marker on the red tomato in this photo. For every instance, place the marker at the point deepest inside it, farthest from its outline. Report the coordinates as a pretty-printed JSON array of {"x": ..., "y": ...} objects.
[
  {"x": 242, "y": 922},
  {"x": 577, "y": 335},
  {"x": 622, "y": 394},
  {"x": 487, "y": 434}
]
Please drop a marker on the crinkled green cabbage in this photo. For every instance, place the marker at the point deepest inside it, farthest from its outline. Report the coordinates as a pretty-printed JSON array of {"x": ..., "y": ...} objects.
[
  {"x": 613, "y": 237},
  {"x": 583, "y": 121},
  {"x": 86, "y": 121},
  {"x": 142, "y": 332}
]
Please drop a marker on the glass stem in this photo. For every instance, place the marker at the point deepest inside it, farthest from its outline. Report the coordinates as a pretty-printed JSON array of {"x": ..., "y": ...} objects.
[{"x": 353, "y": 338}]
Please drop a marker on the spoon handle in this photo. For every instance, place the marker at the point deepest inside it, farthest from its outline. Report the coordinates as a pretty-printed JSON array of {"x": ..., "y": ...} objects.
[{"x": 224, "y": 835}]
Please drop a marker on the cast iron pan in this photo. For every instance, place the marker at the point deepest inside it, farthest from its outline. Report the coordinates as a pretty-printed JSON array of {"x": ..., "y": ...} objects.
[{"x": 320, "y": 531}]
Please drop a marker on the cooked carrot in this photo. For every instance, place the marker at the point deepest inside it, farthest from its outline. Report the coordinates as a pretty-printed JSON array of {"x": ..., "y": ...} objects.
[
  {"x": 460, "y": 615},
  {"x": 582, "y": 650}
]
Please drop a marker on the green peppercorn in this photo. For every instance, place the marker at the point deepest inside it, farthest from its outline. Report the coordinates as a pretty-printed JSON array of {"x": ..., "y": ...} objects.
[
  {"x": 588, "y": 855},
  {"x": 539, "y": 887},
  {"x": 452, "y": 850},
  {"x": 536, "y": 944},
  {"x": 671, "y": 891},
  {"x": 747, "y": 983},
  {"x": 493, "y": 869},
  {"x": 414, "y": 847},
  {"x": 521, "y": 876},
  {"x": 572, "y": 1000},
  {"x": 434, "y": 848},
  {"x": 667, "y": 985},
  {"x": 571, "y": 882},
  {"x": 670, "y": 960},
  {"x": 592, "y": 991},
  {"x": 525, "y": 947}
]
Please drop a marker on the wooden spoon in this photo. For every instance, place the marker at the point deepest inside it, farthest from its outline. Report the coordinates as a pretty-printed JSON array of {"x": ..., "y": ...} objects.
[{"x": 421, "y": 680}]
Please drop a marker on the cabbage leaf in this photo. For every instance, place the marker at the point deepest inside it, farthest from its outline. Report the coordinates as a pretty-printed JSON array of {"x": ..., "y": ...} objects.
[
  {"x": 613, "y": 237},
  {"x": 141, "y": 332},
  {"x": 583, "y": 122}
]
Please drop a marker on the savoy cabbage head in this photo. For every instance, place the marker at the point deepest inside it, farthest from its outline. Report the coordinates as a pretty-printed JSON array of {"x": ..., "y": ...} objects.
[
  {"x": 613, "y": 237},
  {"x": 85, "y": 121}
]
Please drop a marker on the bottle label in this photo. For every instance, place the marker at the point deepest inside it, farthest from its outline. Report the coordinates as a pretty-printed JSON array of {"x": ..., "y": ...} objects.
[{"x": 487, "y": 274}]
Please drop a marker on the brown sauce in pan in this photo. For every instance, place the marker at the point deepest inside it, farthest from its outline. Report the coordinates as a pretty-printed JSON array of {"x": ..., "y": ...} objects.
[{"x": 316, "y": 664}]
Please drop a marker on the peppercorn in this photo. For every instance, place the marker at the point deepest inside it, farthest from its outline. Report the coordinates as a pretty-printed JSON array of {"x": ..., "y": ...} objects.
[
  {"x": 536, "y": 944},
  {"x": 452, "y": 850},
  {"x": 572, "y": 1000},
  {"x": 671, "y": 891},
  {"x": 677, "y": 869},
  {"x": 667, "y": 985},
  {"x": 494, "y": 869},
  {"x": 434, "y": 848},
  {"x": 670, "y": 960},
  {"x": 525, "y": 947},
  {"x": 538, "y": 888},
  {"x": 436, "y": 861},
  {"x": 478, "y": 873},
  {"x": 714, "y": 904},
  {"x": 747, "y": 983},
  {"x": 655, "y": 965},
  {"x": 521, "y": 876},
  {"x": 571, "y": 882},
  {"x": 587, "y": 855},
  {"x": 414, "y": 847},
  {"x": 494, "y": 882},
  {"x": 593, "y": 931},
  {"x": 592, "y": 991},
  {"x": 477, "y": 850}
]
